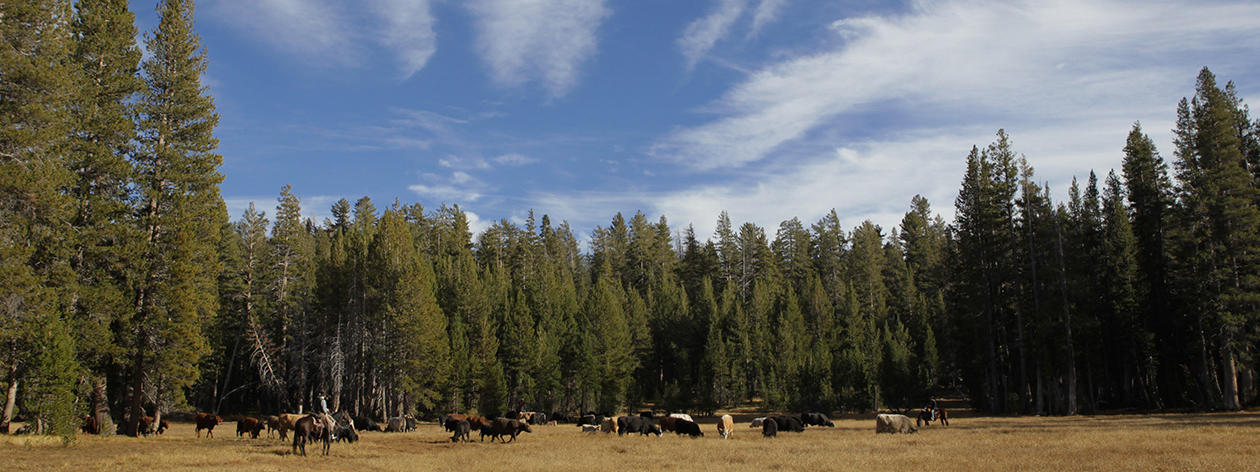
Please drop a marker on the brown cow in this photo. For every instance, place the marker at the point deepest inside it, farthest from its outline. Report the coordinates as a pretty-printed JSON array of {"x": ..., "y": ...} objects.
[
  {"x": 503, "y": 426},
  {"x": 162, "y": 427},
  {"x": 479, "y": 424},
  {"x": 668, "y": 422},
  {"x": 249, "y": 425},
  {"x": 89, "y": 425},
  {"x": 207, "y": 421},
  {"x": 287, "y": 421},
  {"x": 726, "y": 426},
  {"x": 145, "y": 425}
]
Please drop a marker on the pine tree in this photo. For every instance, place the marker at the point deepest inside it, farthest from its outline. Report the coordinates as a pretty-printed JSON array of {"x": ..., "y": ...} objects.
[
  {"x": 1149, "y": 193},
  {"x": 1218, "y": 239},
  {"x": 107, "y": 59},
  {"x": 181, "y": 210},
  {"x": 37, "y": 78}
]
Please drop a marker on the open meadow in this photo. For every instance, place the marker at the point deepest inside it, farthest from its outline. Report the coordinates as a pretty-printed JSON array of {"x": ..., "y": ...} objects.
[{"x": 1209, "y": 442}]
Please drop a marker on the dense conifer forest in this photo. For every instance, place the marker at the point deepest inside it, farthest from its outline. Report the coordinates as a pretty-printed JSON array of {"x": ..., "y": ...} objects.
[{"x": 127, "y": 290}]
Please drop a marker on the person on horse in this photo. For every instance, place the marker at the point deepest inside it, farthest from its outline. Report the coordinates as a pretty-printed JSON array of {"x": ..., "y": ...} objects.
[{"x": 326, "y": 416}]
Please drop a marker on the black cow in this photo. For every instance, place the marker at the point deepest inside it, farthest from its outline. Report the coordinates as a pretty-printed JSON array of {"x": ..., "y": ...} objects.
[
  {"x": 559, "y": 417},
  {"x": 587, "y": 419},
  {"x": 788, "y": 423},
  {"x": 816, "y": 419},
  {"x": 689, "y": 428},
  {"x": 769, "y": 428},
  {"x": 538, "y": 418},
  {"x": 636, "y": 424},
  {"x": 411, "y": 423},
  {"x": 364, "y": 423},
  {"x": 462, "y": 430}
]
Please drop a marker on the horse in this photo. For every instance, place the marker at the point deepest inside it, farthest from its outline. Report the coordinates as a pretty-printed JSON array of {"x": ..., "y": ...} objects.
[
  {"x": 925, "y": 417},
  {"x": 309, "y": 428},
  {"x": 344, "y": 429}
]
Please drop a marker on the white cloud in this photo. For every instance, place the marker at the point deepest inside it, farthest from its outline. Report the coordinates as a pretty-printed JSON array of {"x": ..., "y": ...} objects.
[
  {"x": 767, "y": 12},
  {"x": 313, "y": 29},
  {"x": 537, "y": 40},
  {"x": 968, "y": 63},
  {"x": 408, "y": 31},
  {"x": 457, "y": 188},
  {"x": 701, "y": 35},
  {"x": 514, "y": 160},
  {"x": 330, "y": 33}
]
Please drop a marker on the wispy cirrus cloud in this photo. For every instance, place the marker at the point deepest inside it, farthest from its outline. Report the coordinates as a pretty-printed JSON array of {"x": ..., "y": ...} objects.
[
  {"x": 703, "y": 34},
  {"x": 329, "y": 33},
  {"x": 968, "y": 62},
  {"x": 538, "y": 40},
  {"x": 456, "y": 187}
]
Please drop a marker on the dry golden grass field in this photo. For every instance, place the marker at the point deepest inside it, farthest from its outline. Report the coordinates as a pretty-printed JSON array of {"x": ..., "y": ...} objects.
[{"x": 1207, "y": 442}]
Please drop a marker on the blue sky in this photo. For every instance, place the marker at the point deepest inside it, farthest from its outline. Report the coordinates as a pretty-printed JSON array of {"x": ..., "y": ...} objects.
[{"x": 768, "y": 109}]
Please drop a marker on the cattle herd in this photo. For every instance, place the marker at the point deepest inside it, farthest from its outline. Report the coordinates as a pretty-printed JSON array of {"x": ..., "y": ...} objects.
[{"x": 340, "y": 426}]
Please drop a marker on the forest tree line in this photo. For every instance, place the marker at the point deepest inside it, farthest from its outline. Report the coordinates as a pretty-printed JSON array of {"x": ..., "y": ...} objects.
[{"x": 128, "y": 291}]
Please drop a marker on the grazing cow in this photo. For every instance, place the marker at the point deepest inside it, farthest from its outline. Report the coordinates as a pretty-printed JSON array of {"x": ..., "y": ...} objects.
[
  {"x": 397, "y": 423},
  {"x": 462, "y": 430},
  {"x": 308, "y": 429},
  {"x": 816, "y": 419},
  {"x": 682, "y": 416},
  {"x": 207, "y": 421},
  {"x": 726, "y": 426},
  {"x": 667, "y": 423},
  {"x": 757, "y": 422},
  {"x": 925, "y": 417},
  {"x": 364, "y": 423},
  {"x": 788, "y": 423},
  {"x": 503, "y": 426},
  {"x": 769, "y": 428},
  {"x": 273, "y": 425},
  {"x": 589, "y": 428},
  {"x": 248, "y": 425},
  {"x": 689, "y": 428},
  {"x": 636, "y": 424},
  {"x": 886, "y": 423},
  {"x": 287, "y": 422},
  {"x": 90, "y": 425},
  {"x": 162, "y": 427}
]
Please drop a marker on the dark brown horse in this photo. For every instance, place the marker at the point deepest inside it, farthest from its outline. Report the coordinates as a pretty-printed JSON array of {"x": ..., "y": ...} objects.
[
  {"x": 925, "y": 417},
  {"x": 309, "y": 428}
]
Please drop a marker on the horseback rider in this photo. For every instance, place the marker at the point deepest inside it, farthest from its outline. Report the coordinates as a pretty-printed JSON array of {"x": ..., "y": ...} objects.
[
  {"x": 326, "y": 417},
  {"x": 931, "y": 408}
]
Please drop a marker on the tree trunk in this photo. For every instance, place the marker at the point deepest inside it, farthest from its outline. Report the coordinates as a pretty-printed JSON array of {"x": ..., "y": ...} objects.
[
  {"x": 1072, "y": 408},
  {"x": 100, "y": 405},
  {"x": 1229, "y": 377},
  {"x": 137, "y": 396},
  {"x": 10, "y": 399}
]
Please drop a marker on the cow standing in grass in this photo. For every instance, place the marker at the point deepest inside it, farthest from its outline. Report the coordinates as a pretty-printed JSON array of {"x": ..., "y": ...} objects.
[
  {"x": 726, "y": 426},
  {"x": 207, "y": 421}
]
